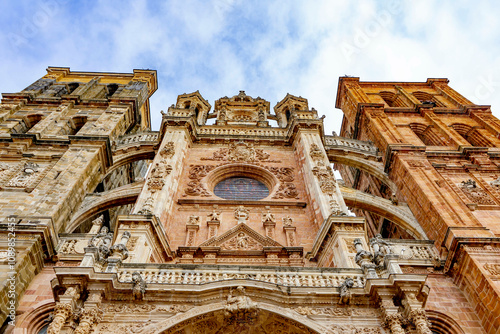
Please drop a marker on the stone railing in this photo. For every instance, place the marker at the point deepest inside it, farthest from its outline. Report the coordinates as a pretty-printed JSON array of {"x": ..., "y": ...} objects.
[
  {"x": 340, "y": 142},
  {"x": 264, "y": 132},
  {"x": 302, "y": 278},
  {"x": 180, "y": 112},
  {"x": 305, "y": 114},
  {"x": 414, "y": 250},
  {"x": 142, "y": 137}
]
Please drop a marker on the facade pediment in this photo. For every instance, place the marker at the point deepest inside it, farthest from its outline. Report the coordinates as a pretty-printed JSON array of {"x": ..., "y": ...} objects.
[{"x": 241, "y": 238}]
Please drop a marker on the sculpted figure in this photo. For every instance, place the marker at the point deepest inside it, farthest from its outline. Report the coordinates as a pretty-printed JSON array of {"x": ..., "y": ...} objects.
[{"x": 239, "y": 302}]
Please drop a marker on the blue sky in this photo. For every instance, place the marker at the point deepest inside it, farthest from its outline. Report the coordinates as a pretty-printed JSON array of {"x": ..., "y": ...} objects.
[{"x": 267, "y": 48}]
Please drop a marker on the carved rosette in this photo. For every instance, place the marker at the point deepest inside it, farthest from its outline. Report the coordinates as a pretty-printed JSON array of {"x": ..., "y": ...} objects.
[{"x": 62, "y": 312}]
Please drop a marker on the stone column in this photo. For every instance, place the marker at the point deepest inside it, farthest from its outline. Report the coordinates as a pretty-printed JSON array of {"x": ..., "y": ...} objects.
[
  {"x": 63, "y": 309},
  {"x": 192, "y": 228},
  {"x": 91, "y": 313},
  {"x": 162, "y": 180},
  {"x": 414, "y": 310},
  {"x": 391, "y": 316},
  {"x": 319, "y": 175}
]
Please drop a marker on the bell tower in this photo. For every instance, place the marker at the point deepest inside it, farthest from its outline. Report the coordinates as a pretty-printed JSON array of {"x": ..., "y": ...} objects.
[{"x": 440, "y": 151}]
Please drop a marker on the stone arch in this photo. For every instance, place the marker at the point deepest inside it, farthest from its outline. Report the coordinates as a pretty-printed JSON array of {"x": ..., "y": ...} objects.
[
  {"x": 34, "y": 319},
  {"x": 212, "y": 316},
  {"x": 442, "y": 323},
  {"x": 98, "y": 202},
  {"x": 371, "y": 167},
  {"x": 398, "y": 214}
]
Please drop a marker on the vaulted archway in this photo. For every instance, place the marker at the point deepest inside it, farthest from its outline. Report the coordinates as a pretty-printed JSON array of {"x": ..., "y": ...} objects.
[{"x": 215, "y": 319}]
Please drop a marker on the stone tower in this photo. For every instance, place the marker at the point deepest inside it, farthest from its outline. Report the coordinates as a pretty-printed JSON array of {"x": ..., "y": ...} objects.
[
  {"x": 439, "y": 156},
  {"x": 225, "y": 220}
]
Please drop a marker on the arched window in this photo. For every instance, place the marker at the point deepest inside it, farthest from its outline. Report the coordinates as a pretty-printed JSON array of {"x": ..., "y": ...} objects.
[
  {"x": 392, "y": 99},
  {"x": 76, "y": 123},
  {"x": 72, "y": 86},
  {"x": 472, "y": 135},
  {"x": 426, "y": 98},
  {"x": 241, "y": 188},
  {"x": 427, "y": 134},
  {"x": 111, "y": 89}
]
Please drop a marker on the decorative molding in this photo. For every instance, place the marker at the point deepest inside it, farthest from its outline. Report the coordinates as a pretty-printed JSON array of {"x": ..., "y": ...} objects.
[{"x": 241, "y": 152}]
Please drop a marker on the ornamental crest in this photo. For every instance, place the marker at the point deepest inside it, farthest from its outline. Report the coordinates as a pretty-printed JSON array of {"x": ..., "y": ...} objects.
[
  {"x": 240, "y": 152},
  {"x": 475, "y": 194}
]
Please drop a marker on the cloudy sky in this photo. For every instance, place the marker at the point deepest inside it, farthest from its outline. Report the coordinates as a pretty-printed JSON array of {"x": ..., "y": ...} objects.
[{"x": 267, "y": 48}]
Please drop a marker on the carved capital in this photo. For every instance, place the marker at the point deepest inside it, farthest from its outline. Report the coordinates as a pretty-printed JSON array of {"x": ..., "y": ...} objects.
[{"x": 62, "y": 312}]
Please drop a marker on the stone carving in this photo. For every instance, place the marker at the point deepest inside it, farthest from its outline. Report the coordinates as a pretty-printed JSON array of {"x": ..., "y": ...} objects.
[
  {"x": 140, "y": 285},
  {"x": 62, "y": 311},
  {"x": 168, "y": 150},
  {"x": 421, "y": 322},
  {"x": 27, "y": 175},
  {"x": 316, "y": 153},
  {"x": 239, "y": 303},
  {"x": 352, "y": 329},
  {"x": 287, "y": 221},
  {"x": 345, "y": 291},
  {"x": 326, "y": 179},
  {"x": 380, "y": 249},
  {"x": 88, "y": 317},
  {"x": 147, "y": 207},
  {"x": 268, "y": 217},
  {"x": 416, "y": 163},
  {"x": 284, "y": 174},
  {"x": 4, "y": 167},
  {"x": 120, "y": 249},
  {"x": 364, "y": 259},
  {"x": 394, "y": 321},
  {"x": 241, "y": 214},
  {"x": 194, "y": 220},
  {"x": 130, "y": 328},
  {"x": 333, "y": 311},
  {"x": 214, "y": 216},
  {"x": 195, "y": 187},
  {"x": 492, "y": 268},
  {"x": 286, "y": 190},
  {"x": 495, "y": 183},
  {"x": 475, "y": 194},
  {"x": 240, "y": 152},
  {"x": 241, "y": 242},
  {"x": 156, "y": 176}
]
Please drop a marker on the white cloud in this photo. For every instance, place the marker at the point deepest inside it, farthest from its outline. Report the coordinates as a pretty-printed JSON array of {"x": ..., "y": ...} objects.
[{"x": 267, "y": 49}]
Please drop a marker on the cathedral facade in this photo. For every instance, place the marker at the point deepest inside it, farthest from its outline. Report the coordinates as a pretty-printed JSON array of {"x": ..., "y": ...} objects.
[{"x": 230, "y": 219}]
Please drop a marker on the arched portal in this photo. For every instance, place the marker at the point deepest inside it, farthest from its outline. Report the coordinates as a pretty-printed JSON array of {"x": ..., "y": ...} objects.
[{"x": 215, "y": 319}]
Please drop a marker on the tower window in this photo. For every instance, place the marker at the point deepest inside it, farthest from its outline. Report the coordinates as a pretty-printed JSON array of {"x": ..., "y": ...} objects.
[{"x": 241, "y": 188}]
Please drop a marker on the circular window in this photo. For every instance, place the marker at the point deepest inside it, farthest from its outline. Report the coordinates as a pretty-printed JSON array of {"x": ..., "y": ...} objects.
[{"x": 241, "y": 188}]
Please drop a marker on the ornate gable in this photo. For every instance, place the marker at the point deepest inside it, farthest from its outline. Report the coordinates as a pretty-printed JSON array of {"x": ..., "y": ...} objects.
[{"x": 241, "y": 237}]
